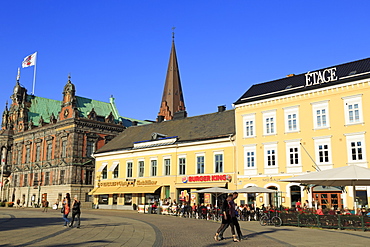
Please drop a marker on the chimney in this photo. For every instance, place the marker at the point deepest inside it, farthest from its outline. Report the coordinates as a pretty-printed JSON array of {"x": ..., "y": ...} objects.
[
  {"x": 221, "y": 108},
  {"x": 134, "y": 123},
  {"x": 180, "y": 115},
  {"x": 160, "y": 118}
]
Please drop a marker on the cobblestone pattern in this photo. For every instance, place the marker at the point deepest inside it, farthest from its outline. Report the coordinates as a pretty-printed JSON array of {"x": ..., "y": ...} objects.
[{"x": 31, "y": 227}]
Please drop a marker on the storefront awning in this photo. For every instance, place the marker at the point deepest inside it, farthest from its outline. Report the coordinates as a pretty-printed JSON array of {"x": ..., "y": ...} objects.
[
  {"x": 200, "y": 185},
  {"x": 143, "y": 189},
  {"x": 102, "y": 191}
]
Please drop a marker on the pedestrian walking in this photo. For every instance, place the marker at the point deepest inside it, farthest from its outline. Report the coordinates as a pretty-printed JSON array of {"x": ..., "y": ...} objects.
[
  {"x": 226, "y": 220},
  {"x": 45, "y": 205},
  {"x": 234, "y": 219},
  {"x": 66, "y": 206},
  {"x": 76, "y": 211}
]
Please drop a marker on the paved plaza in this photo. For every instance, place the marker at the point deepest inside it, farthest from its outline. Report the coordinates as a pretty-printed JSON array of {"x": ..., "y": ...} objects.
[{"x": 32, "y": 227}]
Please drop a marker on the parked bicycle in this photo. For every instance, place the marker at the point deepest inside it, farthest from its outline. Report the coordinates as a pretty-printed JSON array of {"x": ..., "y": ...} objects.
[{"x": 269, "y": 219}]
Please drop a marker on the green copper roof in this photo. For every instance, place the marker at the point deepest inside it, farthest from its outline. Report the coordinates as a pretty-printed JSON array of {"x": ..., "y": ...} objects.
[
  {"x": 45, "y": 107},
  {"x": 42, "y": 107}
]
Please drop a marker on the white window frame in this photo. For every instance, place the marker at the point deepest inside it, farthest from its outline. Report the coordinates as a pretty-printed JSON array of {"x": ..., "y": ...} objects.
[
  {"x": 353, "y": 100},
  {"x": 289, "y": 112},
  {"x": 178, "y": 164},
  {"x": 196, "y": 162},
  {"x": 267, "y": 116},
  {"x": 138, "y": 168},
  {"x": 250, "y": 149},
  {"x": 266, "y": 148},
  {"x": 319, "y": 106},
  {"x": 132, "y": 168},
  {"x": 324, "y": 140},
  {"x": 151, "y": 167},
  {"x": 164, "y": 165},
  {"x": 223, "y": 161},
  {"x": 356, "y": 137},
  {"x": 249, "y": 125},
  {"x": 295, "y": 144}
]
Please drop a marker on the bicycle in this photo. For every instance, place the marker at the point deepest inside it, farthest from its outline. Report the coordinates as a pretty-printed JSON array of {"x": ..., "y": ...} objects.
[{"x": 266, "y": 219}]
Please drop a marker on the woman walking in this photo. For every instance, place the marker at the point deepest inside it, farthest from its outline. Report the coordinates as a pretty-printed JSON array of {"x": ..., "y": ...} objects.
[
  {"x": 66, "y": 208},
  {"x": 76, "y": 211}
]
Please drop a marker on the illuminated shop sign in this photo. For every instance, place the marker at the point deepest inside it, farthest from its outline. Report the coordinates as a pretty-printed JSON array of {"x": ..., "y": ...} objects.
[
  {"x": 208, "y": 178},
  {"x": 320, "y": 77}
]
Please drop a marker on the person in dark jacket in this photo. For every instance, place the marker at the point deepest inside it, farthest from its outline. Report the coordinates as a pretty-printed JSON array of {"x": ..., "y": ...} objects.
[
  {"x": 227, "y": 212},
  {"x": 76, "y": 211}
]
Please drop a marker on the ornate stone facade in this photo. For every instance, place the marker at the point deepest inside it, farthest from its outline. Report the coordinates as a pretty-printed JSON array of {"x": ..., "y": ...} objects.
[{"x": 47, "y": 145}]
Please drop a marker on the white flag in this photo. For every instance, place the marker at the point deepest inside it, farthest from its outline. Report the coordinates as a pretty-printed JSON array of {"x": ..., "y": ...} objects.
[{"x": 29, "y": 60}]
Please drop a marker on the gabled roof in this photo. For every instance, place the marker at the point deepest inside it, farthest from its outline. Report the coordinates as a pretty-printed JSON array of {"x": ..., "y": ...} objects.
[
  {"x": 203, "y": 127},
  {"x": 345, "y": 72},
  {"x": 45, "y": 107}
]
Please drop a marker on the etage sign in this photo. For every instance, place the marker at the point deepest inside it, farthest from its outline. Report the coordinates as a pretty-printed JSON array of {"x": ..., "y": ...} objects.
[{"x": 320, "y": 77}]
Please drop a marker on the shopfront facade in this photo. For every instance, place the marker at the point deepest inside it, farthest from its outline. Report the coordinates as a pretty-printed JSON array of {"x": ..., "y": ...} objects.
[
  {"x": 300, "y": 124},
  {"x": 171, "y": 166}
]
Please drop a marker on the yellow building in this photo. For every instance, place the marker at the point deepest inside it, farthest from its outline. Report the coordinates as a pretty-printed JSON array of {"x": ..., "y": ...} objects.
[
  {"x": 167, "y": 159},
  {"x": 300, "y": 124}
]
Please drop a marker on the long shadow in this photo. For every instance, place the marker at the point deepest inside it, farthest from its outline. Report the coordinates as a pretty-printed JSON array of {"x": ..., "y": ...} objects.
[{"x": 13, "y": 223}]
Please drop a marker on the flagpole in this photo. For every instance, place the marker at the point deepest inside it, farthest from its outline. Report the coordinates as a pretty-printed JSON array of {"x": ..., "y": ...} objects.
[{"x": 34, "y": 76}]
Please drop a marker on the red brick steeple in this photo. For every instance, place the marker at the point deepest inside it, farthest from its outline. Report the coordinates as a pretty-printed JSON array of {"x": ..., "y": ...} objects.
[{"x": 172, "y": 99}]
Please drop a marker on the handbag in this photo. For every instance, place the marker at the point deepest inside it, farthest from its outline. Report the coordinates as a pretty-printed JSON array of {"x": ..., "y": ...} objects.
[{"x": 62, "y": 209}]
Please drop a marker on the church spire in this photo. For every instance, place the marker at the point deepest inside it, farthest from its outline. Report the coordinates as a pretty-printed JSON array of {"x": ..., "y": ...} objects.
[{"x": 172, "y": 99}]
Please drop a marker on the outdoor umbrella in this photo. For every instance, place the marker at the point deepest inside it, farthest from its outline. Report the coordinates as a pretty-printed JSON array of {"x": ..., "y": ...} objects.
[
  {"x": 214, "y": 190},
  {"x": 255, "y": 189},
  {"x": 343, "y": 176}
]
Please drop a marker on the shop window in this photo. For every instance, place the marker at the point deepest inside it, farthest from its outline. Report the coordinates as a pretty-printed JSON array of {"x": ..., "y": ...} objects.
[
  {"x": 128, "y": 199},
  {"x": 115, "y": 198},
  {"x": 103, "y": 199}
]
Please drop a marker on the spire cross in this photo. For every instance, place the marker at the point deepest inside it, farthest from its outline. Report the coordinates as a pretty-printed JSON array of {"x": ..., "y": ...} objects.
[{"x": 173, "y": 33}]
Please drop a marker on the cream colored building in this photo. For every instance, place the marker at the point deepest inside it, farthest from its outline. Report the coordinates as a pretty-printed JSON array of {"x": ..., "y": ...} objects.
[
  {"x": 167, "y": 159},
  {"x": 300, "y": 124}
]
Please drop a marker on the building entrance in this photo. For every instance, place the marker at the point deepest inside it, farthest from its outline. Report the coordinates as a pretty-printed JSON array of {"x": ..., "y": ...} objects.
[{"x": 327, "y": 199}]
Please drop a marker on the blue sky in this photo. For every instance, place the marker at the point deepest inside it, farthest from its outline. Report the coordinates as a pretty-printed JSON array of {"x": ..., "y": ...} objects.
[{"x": 121, "y": 48}]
